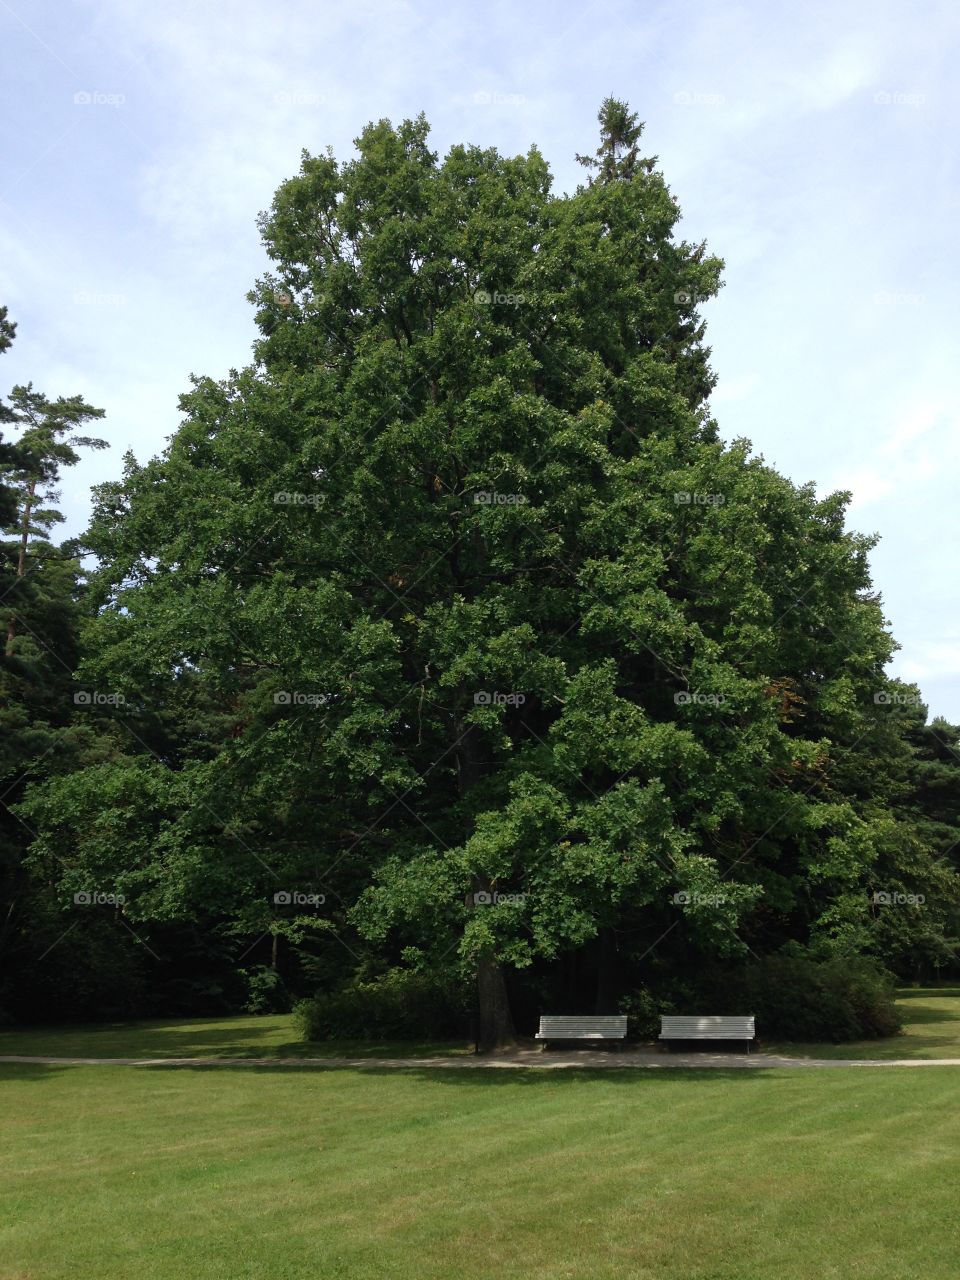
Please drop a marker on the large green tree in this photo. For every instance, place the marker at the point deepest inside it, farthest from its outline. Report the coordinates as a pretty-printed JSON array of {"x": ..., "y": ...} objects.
[{"x": 493, "y": 642}]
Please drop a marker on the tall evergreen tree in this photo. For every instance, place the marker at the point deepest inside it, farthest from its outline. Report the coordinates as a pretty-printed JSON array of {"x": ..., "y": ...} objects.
[
  {"x": 39, "y": 625},
  {"x": 618, "y": 156}
]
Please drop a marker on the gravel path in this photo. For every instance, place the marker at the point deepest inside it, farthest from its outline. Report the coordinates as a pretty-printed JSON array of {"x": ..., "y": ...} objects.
[{"x": 536, "y": 1059}]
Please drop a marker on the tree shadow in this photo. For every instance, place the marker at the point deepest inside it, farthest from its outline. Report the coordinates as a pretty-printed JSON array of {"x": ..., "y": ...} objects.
[
  {"x": 247, "y": 1036},
  {"x": 921, "y": 1012},
  {"x": 485, "y": 1077},
  {"x": 31, "y": 1071},
  {"x": 173, "y": 1037}
]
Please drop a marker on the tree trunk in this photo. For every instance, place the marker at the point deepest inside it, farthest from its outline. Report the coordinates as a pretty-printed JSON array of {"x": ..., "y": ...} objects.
[
  {"x": 496, "y": 1020},
  {"x": 21, "y": 561}
]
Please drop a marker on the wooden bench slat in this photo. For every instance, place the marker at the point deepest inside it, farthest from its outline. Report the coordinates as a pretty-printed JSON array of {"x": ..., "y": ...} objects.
[
  {"x": 582, "y": 1027},
  {"x": 707, "y": 1027},
  {"x": 585, "y": 1022}
]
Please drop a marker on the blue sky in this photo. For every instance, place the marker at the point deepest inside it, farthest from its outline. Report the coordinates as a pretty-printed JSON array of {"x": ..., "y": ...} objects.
[{"x": 813, "y": 147}]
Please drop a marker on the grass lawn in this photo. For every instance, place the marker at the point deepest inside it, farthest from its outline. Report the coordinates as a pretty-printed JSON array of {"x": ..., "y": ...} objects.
[
  {"x": 271, "y": 1036},
  {"x": 243, "y": 1173}
]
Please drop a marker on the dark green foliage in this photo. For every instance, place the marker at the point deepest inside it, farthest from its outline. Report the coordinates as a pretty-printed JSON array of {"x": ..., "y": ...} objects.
[
  {"x": 797, "y": 997},
  {"x": 267, "y": 992},
  {"x": 92, "y": 970},
  {"x": 44, "y": 973},
  {"x": 402, "y": 1004},
  {"x": 643, "y": 1010}
]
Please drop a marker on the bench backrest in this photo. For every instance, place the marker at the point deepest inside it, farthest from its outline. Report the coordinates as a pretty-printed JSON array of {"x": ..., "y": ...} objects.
[
  {"x": 574, "y": 1027},
  {"x": 707, "y": 1027}
]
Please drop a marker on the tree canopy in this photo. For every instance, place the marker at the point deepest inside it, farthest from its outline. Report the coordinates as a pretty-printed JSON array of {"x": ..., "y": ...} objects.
[{"x": 453, "y": 610}]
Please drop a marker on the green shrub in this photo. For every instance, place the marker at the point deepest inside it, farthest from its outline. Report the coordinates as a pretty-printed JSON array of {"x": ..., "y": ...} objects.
[
  {"x": 796, "y": 997},
  {"x": 643, "y": 1011},
  {"x": 403, "y": 1004},
  {"x": 266, "y": 991}
]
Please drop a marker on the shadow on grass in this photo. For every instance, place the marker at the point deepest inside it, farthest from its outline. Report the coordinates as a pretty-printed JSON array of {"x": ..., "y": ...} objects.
[
  {"x": 31, "y": 1072},
  {"x": 245, "y": 1036},
  {"x": 209, "y": 1031},
  {"x": 920, "y": 1014},
  {"x": 524, "y": 1077}
]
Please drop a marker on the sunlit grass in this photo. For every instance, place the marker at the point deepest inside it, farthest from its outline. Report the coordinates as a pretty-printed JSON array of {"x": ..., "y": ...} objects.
[
  {"x": 931, "y": 1029},
  {"x": 207, "y": 1173}
]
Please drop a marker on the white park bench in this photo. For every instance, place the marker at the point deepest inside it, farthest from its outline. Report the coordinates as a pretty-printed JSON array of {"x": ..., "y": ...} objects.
[
  {"x": 577, "y": 1027},
  {"x": 707, "y": 1028}
]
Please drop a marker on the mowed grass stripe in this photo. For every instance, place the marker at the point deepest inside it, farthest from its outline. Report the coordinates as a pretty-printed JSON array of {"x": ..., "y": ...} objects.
[{"x": 163, "y": 1172}]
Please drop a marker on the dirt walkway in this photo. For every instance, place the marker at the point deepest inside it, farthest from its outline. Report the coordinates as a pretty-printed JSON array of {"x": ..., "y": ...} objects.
[{"x": 535, "y": 1058}]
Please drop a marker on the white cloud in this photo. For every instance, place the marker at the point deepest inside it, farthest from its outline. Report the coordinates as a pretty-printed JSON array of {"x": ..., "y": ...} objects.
[{"x": 902, "y": 467}]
